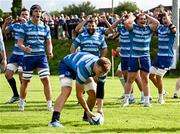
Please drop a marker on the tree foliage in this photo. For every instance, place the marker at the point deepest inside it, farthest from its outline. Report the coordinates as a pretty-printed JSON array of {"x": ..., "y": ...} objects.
[
  {"x": 55, "y": 13},
  {"x": 16, "y": 8},
  {"x": 85, "y": 7},
  {"x": 126, "y": 6},
  {"x": 1, "y": 13}
]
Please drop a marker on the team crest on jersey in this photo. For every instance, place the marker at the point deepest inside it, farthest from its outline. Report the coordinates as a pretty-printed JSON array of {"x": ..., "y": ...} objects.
[{"x": 67, "y": 73}]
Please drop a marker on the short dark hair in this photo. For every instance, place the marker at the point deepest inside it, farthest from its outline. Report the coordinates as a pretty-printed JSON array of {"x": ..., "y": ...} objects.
[
  {"x": 34, "y": 7},
  {"x": 141, "y": 14},
  {"x": 104, "y": 63},
  {"x": 24, "y": 9},
  {"x": 91, "y": 21}
]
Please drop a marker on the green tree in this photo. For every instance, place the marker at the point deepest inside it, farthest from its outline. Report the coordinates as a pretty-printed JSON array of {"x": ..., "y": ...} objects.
[
  {"x": 1, "y": 13},
  {"x": 85, "y": 7},
  {"x": 55, "y": 13},
  {"x": 126, "y": 6},
  {"x": 16, "y": 8}
]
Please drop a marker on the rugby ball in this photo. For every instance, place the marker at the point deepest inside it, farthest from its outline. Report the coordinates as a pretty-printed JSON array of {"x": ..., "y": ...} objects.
[{"x": 97, "y": 120}]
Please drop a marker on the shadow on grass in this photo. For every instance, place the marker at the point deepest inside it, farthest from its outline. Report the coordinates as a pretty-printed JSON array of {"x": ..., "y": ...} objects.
[
  {"x": 29, "y": 126},
  {"x": 21, "y": 126},
  {"x": 134, "y": 130},
  {"x": 76, "y": 123},
  {"x": 36, "y": 106},
  {"x": 100, "y": 130}
]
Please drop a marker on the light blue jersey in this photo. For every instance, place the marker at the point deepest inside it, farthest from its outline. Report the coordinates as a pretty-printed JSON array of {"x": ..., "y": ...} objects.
[
  {"x": 16, "y": 29},
  {"x": 35, "y": 36},
  {"x": 81, "y": 64},
  {"x": 124, "y": 41},
  {"x": 141, "y": 38},
  {"x": 165, "y": 41},
  {"x": 1, "y": 42},
  {"x": 90, "y": 43}
]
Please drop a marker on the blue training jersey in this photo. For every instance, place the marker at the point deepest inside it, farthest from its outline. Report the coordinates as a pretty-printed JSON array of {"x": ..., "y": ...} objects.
[
  {"x": 165, "y": 41},
  {"x": 35, "y": 36},
  {"x": 1, "y": 41},
  {"x": 82, "y": 63},
  {"x": 124, "y": 41},
  {"x": 141, "y": 38},
  {"x": 16, "y": 29},
  {"x": 90, "y": 43}
]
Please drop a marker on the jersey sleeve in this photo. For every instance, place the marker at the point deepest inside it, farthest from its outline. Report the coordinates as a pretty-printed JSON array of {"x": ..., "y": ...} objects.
[
  {"x": 103, "y": 43},
  {"x": 11, "y": 28},
  {"x": 1, "y": 42},
  {"x": 22, "y": 31},
  {"x": 77, "y": 41}
]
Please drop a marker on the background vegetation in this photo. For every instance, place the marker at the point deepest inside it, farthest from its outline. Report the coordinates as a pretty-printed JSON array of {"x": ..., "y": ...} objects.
[
  {"x": 1, "y": 13},
  {"x": 126, "y": 6},
  {"x": 85, "y": 7},
  {"x": 16, "y": 8},
  {"x": 61, "y": 48},
  {"x": 73, "y": 9}
]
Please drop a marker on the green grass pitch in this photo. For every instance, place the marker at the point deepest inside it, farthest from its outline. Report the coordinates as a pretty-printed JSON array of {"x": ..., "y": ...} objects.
[{"x": 134, "y": 119}]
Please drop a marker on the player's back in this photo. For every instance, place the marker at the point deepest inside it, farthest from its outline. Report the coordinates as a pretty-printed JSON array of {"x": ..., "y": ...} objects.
[{"x": 83, "y": 58}]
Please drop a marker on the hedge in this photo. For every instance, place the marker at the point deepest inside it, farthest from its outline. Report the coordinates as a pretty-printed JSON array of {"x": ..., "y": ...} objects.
[{"x": 61, "y": 48}]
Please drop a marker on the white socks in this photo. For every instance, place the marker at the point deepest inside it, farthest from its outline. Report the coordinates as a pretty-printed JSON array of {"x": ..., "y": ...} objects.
[
  {"x": 126, "y": 99},
  {"x": 176, "y": 91},
  {"x": 146, "y": 99},
  {"x": 49, "y": 103},
  {"x": 161, "y": 96}
]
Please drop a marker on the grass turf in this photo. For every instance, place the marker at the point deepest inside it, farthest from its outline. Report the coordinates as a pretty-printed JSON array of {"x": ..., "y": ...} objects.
[{"x": 134, "y": 119}]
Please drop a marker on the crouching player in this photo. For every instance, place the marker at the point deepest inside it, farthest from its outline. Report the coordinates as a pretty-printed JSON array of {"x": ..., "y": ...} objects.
[{"x": 82, "y": 67}]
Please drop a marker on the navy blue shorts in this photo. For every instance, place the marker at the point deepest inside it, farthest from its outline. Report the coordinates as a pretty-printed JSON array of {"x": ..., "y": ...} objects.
[
  {"x": 163, "y": 62},
  {"x": 141, "y": 63},
  {"x": 124, "y": 63},
  {"x": 32, "y": 62},
  {"x": 65, "y": 71},
  {"x": 18, "y": 59}
]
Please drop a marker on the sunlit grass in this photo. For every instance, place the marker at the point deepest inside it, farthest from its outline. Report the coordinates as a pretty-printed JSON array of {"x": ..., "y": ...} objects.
[{"x": 134, "y": 119}]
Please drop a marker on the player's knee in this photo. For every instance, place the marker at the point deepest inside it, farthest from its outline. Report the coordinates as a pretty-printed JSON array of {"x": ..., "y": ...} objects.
[
  {"x": 44, "y": 73},
  {"x": 145, "y": 81},
  {"x": 9, "y": 74},
  {"x": 130, "y": 80},
  {"x": 100, "y": 90},
  {"x": 92, "y": 94},
  {"x": 152, "y": 76}
]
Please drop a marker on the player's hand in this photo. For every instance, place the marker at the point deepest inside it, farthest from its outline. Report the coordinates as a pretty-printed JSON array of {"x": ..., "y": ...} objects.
[
  {"x": 90, "y": 114},
  {"x": 118, "y": 49},
  {"x": 95, "y": 78},
  {"x": 21, "y": 20},
  {"x": 50, "y": 55},
  {"x": 27, "y": 49},
  {"x": 9, "y": 20}
]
